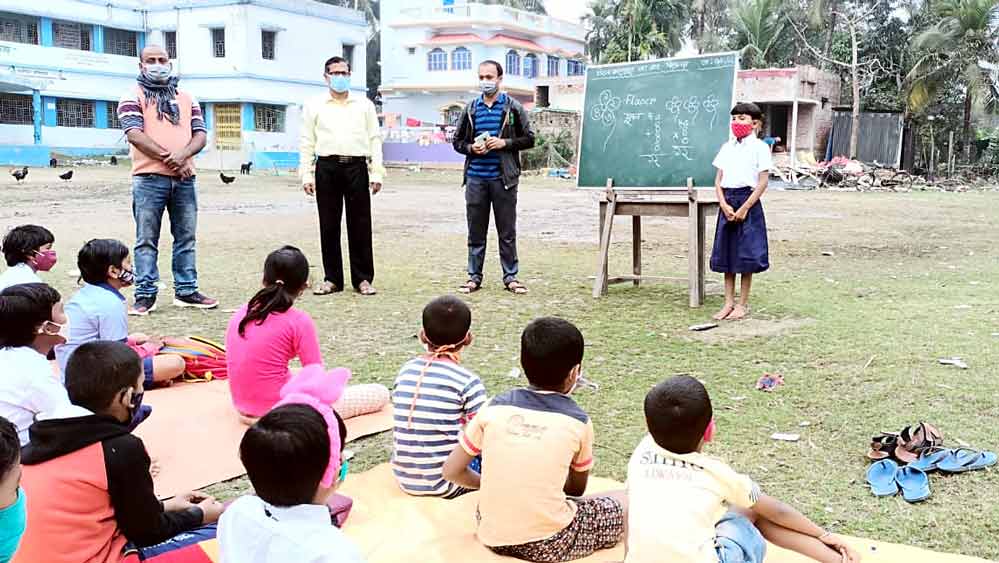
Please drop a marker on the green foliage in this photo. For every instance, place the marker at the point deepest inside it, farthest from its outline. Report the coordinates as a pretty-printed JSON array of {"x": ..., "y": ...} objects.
[
  {"x": 537, "y": 157},
  {"x": 630, "y": 30},
  {"x": 761, "y": 31}
]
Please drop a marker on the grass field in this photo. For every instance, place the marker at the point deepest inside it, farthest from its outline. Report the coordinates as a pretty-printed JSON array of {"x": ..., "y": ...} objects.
[{"x": 912, "y": 278}]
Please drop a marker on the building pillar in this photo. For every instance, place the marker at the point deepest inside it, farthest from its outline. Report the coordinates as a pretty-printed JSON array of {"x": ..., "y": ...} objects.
[
  {"x": 45, "y": 31},
  {"x": 97, "y": 38},
  {"x": 49, "y": 118},
  {"x": 100, "y": 114},
  {"x": 248, "y": 121},
  {"x": 208, "y": 111},
  {"x": 140, "y": 42},
  {"x": 36, "y": 105}
]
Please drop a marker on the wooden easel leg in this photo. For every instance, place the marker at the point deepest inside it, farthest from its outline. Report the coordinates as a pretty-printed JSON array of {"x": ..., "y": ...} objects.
[
  {"x": 702, "y": 213},
  {"x": 695, "y": 254},
  {"x": 636, "y": 248},
  {"x": 600, "y": 283}
]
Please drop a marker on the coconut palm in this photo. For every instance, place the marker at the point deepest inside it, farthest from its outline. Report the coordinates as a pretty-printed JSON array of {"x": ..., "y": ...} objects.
[
  {"x": 759, "y": 26},
  {"x": 600, "y": 26},
  {"x": 958, "y": 48}
]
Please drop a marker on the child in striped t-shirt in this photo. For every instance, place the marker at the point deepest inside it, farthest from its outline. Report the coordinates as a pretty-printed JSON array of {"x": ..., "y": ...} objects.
[{"x": 433, "y": 397}]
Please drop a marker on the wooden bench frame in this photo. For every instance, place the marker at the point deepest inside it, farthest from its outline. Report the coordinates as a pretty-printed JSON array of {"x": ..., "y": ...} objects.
[{"x": 690, "y": 202}]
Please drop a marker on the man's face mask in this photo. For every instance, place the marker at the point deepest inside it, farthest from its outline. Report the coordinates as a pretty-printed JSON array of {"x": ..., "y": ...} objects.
[
  {"x": 339, "y": 83},
  {"x": 158, "y": 72}
]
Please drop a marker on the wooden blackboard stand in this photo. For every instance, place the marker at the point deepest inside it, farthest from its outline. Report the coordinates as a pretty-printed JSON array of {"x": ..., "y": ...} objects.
[{"x": 695, "y": 204}]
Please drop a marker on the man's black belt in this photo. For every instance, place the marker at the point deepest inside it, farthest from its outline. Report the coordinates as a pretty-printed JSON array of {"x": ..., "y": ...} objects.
[{"x": 340, "y": 159}]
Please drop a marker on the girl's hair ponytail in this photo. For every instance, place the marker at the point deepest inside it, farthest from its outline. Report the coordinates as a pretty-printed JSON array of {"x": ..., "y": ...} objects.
[{"x": 286, "y": 273}]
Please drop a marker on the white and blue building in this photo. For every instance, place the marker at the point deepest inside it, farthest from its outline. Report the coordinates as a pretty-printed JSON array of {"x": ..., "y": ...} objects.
[
  {"x": 251, "y": 63},
  {"x": 430, "y": 51}
]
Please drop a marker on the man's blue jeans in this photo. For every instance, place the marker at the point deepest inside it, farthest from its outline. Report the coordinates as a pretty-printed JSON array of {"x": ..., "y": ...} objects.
[{"x": 151, "y": 195}]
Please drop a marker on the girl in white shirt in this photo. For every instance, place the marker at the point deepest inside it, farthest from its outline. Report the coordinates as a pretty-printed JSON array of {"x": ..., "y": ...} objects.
[
  {"x": 27, "y": 249},
  {"x": 32, "y": 321}
]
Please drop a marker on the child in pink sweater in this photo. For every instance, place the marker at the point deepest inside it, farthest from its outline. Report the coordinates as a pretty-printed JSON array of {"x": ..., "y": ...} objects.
[{"x": 268, "y": 332}]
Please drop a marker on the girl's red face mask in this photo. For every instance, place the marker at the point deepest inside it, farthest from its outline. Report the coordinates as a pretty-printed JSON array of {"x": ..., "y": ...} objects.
[{"x": 741, "y": 130}]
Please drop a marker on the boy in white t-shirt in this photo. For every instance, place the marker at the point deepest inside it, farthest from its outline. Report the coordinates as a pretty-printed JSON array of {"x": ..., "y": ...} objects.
[
  {"x": 27, "y": 249},
  {"x": 740, "y": 247},
  {"x": 687, "y": 507}
]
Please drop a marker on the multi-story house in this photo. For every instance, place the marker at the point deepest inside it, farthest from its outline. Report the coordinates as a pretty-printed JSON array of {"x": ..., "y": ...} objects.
[
  {"x": 431, "y": 49},
  {"x": 251, "y": 63}
]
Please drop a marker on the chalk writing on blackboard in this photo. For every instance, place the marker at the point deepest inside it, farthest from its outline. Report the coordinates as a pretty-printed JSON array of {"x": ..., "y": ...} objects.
[{"x": 604, "y": 111}]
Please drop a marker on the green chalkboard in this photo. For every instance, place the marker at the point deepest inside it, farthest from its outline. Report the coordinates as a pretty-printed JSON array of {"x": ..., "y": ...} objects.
[{"x": 653, "y": 124}]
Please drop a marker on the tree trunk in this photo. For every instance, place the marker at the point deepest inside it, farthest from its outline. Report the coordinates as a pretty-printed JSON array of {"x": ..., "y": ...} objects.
[
  {"x": 966, "y": 134},
  {"x": 855, "y": 77},
  {"x": 829, "y": 36}
]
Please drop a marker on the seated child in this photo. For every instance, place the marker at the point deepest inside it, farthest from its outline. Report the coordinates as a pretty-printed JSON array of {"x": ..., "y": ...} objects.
[
  {"x": 87, "y": 477},
  {"x": 99, "y": 312},
  {"x": 686, "y": 506},
  {"x": 32, "y": 321},
  {"x": 13, "y": 515},
  {"x": 537, "y": 450},
  {"x": 436, "y": 397},
  {"x": 268, "y": 332},
  {"x": 288, "y": 519},
  {"x": 27, "y": 249}
]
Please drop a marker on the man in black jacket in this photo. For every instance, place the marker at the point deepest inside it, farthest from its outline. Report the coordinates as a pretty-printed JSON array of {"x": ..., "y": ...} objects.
[
  {"x": 87, "y": 477},
  {"x": 493, "y": 130}
]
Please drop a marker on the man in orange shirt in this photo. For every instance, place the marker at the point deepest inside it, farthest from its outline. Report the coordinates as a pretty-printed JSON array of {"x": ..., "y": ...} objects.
[{"x": 166, "y": 129}]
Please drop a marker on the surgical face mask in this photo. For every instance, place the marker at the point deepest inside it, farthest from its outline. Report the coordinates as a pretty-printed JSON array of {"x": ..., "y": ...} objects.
[
  {"x": 158, "y": 72},
  {"x": 13, "y": 520},
  {"x": 339, "y": 83},
  {"x": 488, "y": 87},
  {"x": 45, "y": 260},
  {"x": 62, "y": 331},
  {"x": 126, "y": 277}
]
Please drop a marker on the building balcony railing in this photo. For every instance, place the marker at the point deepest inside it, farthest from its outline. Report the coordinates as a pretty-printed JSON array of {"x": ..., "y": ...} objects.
[
  {"x": 454, "y": 80},
  {"x": 531, "y": 22}
]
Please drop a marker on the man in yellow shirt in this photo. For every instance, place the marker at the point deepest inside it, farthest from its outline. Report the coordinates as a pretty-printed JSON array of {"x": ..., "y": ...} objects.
[{"x": 341, "y": 159}]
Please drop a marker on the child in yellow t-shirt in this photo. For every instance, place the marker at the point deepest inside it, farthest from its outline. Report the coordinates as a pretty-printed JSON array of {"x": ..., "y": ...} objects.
[{"x": 687, "y": 507}]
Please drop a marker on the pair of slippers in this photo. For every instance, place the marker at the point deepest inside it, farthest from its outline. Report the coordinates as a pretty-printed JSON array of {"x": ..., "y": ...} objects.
[{"x": 887, "y": 478}]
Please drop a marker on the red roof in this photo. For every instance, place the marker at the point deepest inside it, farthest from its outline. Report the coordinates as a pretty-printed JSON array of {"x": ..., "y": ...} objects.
[
  {"x": 517, "y": 42},
  {"x": 452, "y": 38}
]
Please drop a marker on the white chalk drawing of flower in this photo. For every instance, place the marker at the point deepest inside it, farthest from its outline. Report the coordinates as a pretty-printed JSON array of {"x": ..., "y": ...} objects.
[
  {"x": 603, "y": 111},
  {"x": 674, "y": 104},
  {"x": 710, "y": 105},
  {"x": 693, "y": 107}
]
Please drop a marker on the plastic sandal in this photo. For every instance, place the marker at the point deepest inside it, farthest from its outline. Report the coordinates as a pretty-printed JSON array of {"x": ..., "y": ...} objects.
[
  {"x": 961, "y": 460},
  {"x": 881, "y": 478},
  {"x": 930, "y": 458},
  {"x": 915, "y": 484},
  {"x": 883, "y": 446},
  {"x": 914, "y": 440}
]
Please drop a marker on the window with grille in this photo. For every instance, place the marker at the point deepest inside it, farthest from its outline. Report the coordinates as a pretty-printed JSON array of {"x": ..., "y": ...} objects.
[
  {"x": 218, "y": 42},
  {"x": 461, "y": 59},
  {"x": 512, "y": 62},
  {"x": 74, "y": 113},
  {"x": 16, "y": 109},
  {"x": 268, "y": 118},
  {"x": 112, "y": 122},
  {"x": 552, "y": 65},
  {"x": 268, "y": 39},
  {"x": 71, "y": 35},
  {"x": 575, "y": 68},
  {"x": 228, "y": 126},
  {"x": 348, "y": 55},
  {"x": 530, "y": 66},
  {"x": 170, "y": 43},
  {"x": 120, "y": 42},
  {"x": 18, "y": 29},
  {"x": 437, "y": 60}
]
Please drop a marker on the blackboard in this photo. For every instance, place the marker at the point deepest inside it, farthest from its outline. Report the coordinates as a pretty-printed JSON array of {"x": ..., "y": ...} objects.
[{"x": 653, "y": 124}]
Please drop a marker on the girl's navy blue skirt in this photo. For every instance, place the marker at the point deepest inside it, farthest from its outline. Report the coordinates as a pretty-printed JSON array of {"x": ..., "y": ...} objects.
[{"x": 741, "y": 247}]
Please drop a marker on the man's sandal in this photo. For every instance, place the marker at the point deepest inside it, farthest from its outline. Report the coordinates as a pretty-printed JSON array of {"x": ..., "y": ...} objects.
[
  {"x": 471, "y": 286},
  {"x": 365, "y": 288},
  {"x": 326, "y": 288},
  {"x": 516, "y": 287}
]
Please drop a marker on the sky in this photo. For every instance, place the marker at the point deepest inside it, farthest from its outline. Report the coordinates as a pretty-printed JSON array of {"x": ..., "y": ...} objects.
[{"x": 570, "y": 10}]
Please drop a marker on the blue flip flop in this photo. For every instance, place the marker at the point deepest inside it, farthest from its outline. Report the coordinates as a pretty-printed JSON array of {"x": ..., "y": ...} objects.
[
  {"x": 930, "y": 460},
  {"x": 881, "y": 478},
  {"x": 961, "y": 460},
  {"x": 915, "y": 483}
]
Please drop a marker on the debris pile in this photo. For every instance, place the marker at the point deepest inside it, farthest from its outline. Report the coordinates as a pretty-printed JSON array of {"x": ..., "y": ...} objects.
[{"x": 844, "y": 174}]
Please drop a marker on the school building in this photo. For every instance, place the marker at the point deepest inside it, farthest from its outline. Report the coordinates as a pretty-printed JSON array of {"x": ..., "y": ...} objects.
[
  {"x": 251, "y": 63},
  {"x": 430, "y": 51}
]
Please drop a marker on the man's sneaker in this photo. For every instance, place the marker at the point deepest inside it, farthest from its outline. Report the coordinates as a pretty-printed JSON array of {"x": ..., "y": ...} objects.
[
  {"x": 143, "y": 306},
  {"x": 196, "y": 300}
]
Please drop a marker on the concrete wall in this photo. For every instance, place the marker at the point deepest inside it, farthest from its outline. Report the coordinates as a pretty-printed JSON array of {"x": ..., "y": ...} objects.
[{"x": 428, "y": 154}]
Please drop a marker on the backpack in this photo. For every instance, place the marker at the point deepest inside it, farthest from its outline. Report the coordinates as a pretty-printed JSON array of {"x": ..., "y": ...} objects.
[{"x": 205, "y": 360}]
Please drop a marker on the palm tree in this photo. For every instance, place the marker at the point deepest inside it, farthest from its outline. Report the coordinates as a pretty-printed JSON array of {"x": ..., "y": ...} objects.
[
  {"x": 953, "y": 50},
  {"x": 600, "y": 26},
  {"x": 759, "y": 25}
]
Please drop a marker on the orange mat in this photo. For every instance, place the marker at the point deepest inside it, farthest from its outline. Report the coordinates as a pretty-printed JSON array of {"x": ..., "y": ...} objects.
[
  {"x": 432, "y": 530},
  {"x": 194, "y": 433}
]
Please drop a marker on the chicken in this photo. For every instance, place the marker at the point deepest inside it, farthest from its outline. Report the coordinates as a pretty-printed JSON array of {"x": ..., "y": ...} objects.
[
  {"x": 67, "y": 176},
  {"x": 19, "y": 174},
  {"x": 227, "y": 179}
]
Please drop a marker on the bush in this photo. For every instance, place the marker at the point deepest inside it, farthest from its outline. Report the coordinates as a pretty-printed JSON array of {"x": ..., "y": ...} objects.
[{"x": 538, "y": 157}]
